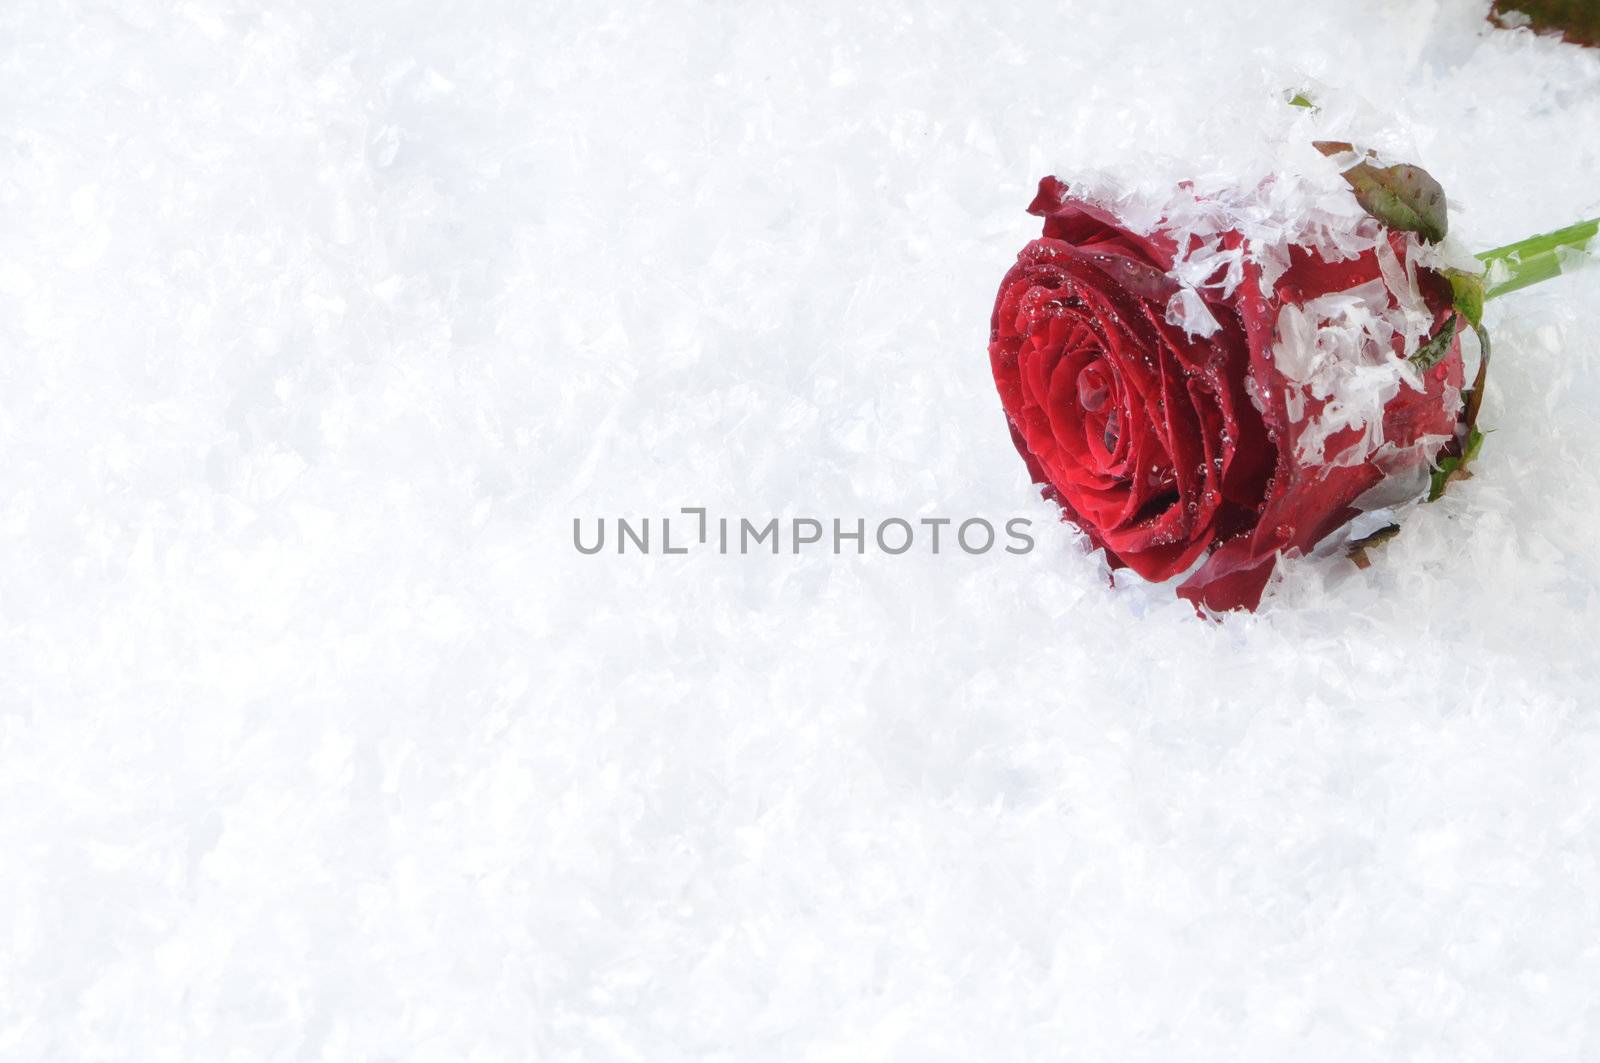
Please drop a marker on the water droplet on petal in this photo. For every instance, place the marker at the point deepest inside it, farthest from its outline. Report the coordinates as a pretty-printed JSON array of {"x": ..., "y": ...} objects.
[{"x": 1092, "y": 390}]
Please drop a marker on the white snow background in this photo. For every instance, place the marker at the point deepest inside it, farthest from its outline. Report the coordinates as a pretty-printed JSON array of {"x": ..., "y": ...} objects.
[{"x": 319, "y": 324}]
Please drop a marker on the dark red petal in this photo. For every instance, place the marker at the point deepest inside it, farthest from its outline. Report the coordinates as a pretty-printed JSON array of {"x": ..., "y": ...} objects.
[{"x": 1233, "y": 577}]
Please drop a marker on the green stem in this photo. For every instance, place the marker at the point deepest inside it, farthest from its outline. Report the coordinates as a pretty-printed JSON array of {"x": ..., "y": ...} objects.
[{"x": 1535, "y": 259}]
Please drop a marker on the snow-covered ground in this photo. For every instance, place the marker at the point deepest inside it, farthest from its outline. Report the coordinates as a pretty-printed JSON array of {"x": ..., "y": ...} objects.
[{"x": 319, "y": 324}]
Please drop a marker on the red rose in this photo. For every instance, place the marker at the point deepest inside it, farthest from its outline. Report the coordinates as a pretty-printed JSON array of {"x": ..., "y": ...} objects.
[{"x": 1259, "y": 439}]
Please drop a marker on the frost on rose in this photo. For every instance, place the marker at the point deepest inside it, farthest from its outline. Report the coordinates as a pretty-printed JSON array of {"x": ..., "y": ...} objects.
[{"x": 1212, "y": 381}]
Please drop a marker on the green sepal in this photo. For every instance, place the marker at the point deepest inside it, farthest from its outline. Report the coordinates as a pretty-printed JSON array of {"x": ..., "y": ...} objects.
[
  {"x": 1467, "y": 289},
  {"x": 1403, "y": 196},
  {"x": 1358, "y": 549},
  {"x": 1455, "y": 466},
  {"x": 1475, "y": 393},
  {"x": 1434, "y": 348}
]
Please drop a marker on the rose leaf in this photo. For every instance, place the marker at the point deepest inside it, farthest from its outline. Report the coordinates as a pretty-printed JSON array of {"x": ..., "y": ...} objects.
[
  {"x": 1402, "y": 196},
  {"x": 1576, "y": 20}
]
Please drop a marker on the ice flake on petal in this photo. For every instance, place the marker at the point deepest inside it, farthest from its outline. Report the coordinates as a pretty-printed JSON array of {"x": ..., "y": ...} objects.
[
  {"x": 1187, "y": 309},
  {"x": 1340, "y": 347}
]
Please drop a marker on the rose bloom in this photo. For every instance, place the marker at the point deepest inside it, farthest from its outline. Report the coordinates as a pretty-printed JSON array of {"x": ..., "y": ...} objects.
[{"x": 1239, "y": 417}]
